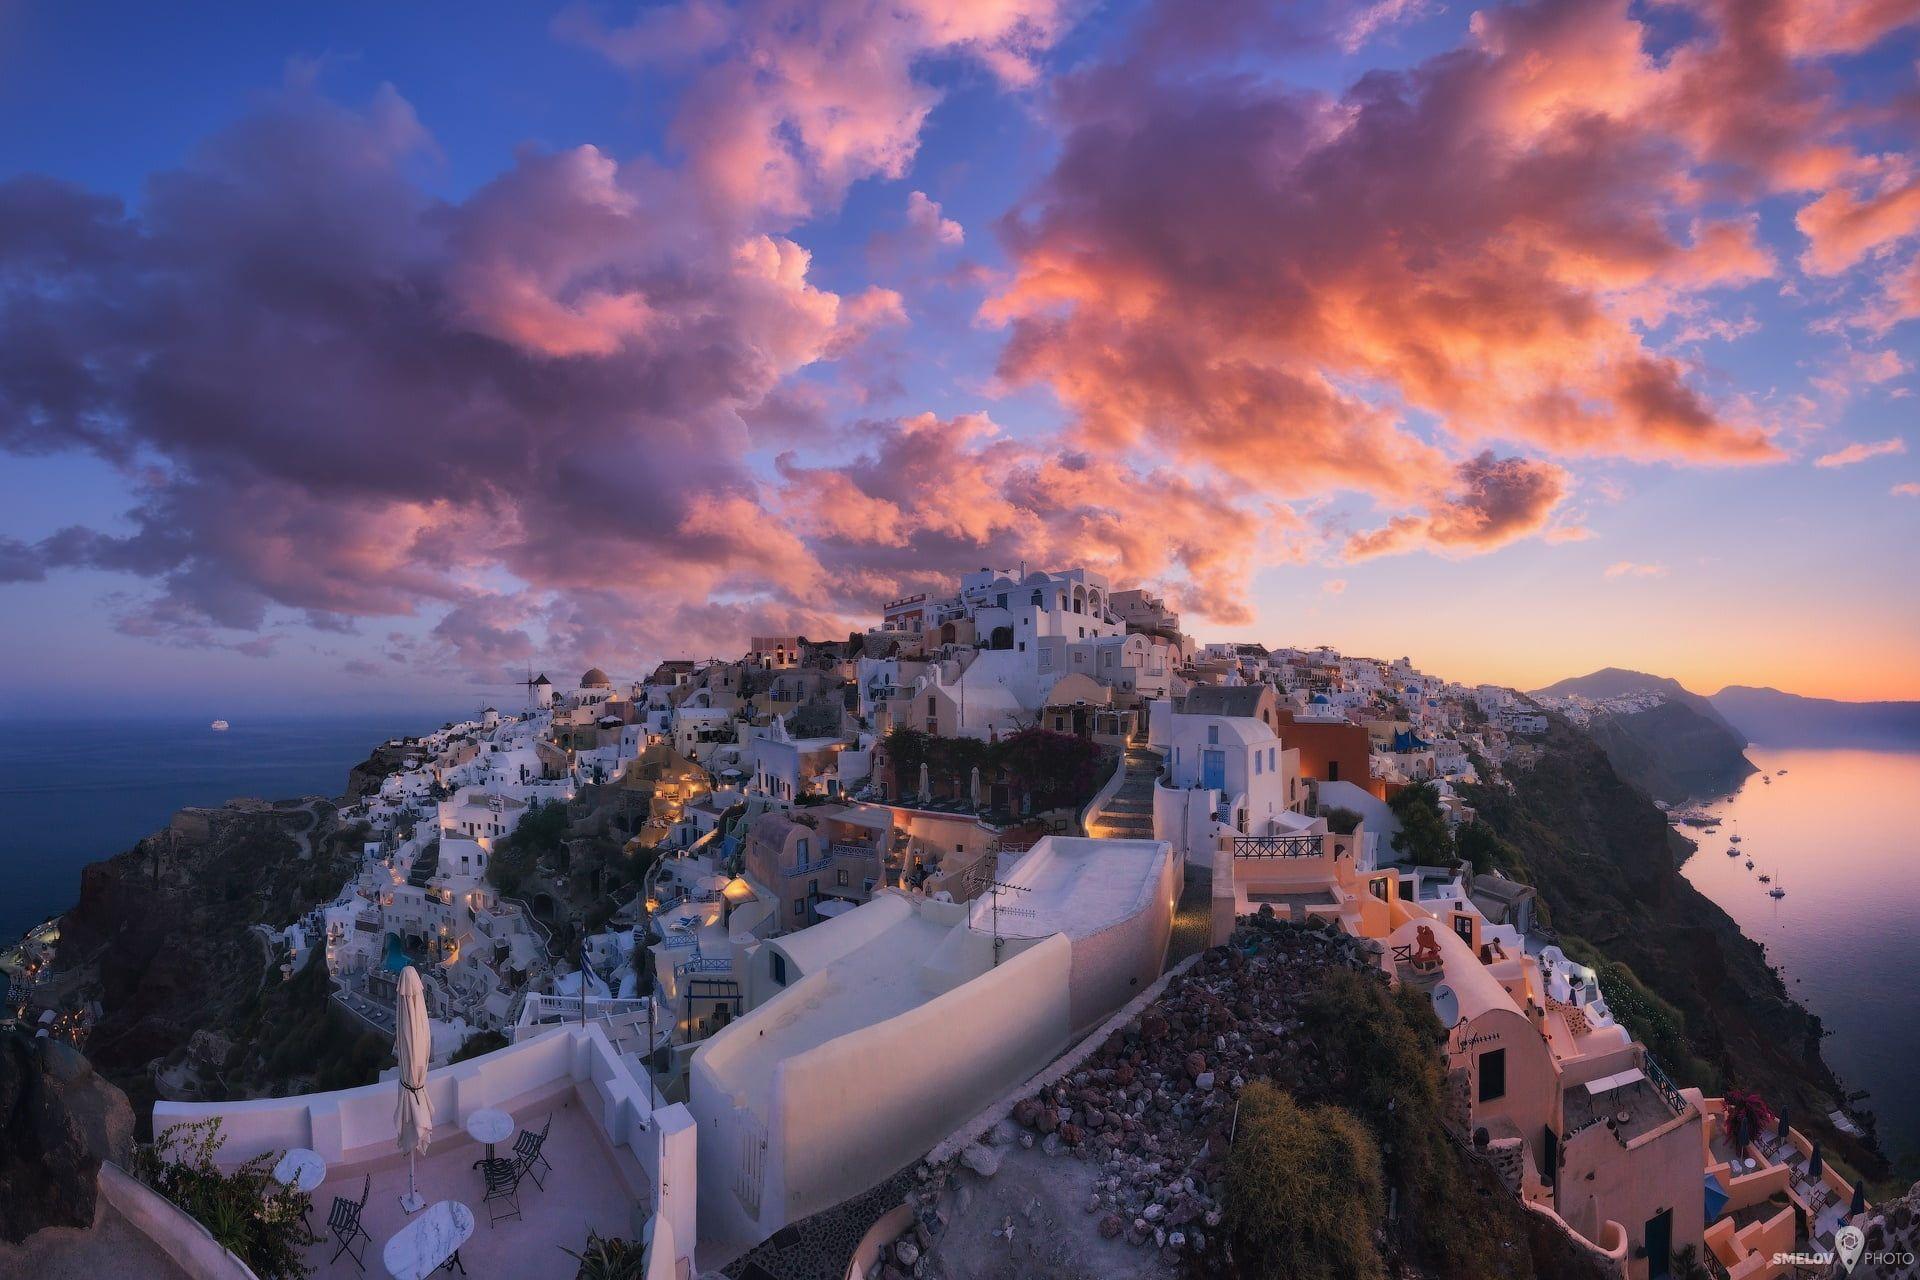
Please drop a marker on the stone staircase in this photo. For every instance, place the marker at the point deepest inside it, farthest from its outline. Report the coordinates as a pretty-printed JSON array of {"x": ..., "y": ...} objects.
[{"x": 1128, "y": 813}]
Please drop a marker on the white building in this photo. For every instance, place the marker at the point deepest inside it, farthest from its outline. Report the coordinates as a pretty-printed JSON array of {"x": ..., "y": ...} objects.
[{"x": 896, "y": 1021}]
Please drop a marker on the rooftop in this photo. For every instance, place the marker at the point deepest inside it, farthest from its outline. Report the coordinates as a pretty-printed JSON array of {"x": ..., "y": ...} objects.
[{"x": 588, "y": 1189}]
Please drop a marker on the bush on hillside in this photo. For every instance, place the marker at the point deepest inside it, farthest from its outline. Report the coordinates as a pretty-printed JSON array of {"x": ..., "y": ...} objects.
[{"x": 1304, "y": 1193}]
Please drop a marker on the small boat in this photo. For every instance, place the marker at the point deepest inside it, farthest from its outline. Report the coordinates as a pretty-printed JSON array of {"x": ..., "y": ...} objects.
[
  {"x": 221, "y": 726},
  {"x": 1765, "y": 878},
  {"x": 1779, "y": 772},
  {"x": 1734, "y": 839},
  {"x": 1776, "y": 892},
  {"x": 1749, "y": 864},
  {"x": 1768, "y": 781}
]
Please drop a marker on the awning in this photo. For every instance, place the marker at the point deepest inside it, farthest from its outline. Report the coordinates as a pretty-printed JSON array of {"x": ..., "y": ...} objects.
[
  {"x": 831, "y": 907},
  {"x": 1619, "y": 1080}
]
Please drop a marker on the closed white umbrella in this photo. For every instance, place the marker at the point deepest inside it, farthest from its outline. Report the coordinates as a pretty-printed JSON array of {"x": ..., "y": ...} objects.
[{"x": 412, "y": 1046}]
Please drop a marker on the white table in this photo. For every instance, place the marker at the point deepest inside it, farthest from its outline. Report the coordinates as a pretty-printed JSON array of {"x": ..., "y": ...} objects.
[
  {"x": 301, "y": 1169},
  {"x": 489, "y": 1126},
  {"x": 429, "y": 1242}
]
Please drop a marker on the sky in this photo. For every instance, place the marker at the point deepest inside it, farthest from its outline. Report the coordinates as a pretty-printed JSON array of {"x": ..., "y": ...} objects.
[{"x": 356, "y": 353}]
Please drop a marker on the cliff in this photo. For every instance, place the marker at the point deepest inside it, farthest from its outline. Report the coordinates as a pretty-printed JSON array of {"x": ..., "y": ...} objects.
[
  {"x": 1778, "y": 719},
  {"x": 1688, "y": 982},
  {"x": 164, "y": 937},
  {"x": 1672, "y": 752},
  {"x": 1680, "y": 749}
]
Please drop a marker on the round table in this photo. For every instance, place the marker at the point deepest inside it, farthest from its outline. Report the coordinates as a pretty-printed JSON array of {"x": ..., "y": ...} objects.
[
  {"x": 489, "y": 1125},
  {"x": 301, "y": 1169}
]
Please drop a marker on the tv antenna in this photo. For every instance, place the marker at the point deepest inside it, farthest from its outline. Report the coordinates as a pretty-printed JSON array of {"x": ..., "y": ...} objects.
[{"x": 994, "y": 889}]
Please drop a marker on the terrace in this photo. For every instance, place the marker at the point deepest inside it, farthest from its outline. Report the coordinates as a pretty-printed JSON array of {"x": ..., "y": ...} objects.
[
  {"x": 590, "y": 1188},
  {"x": 622, "y": 1161}
]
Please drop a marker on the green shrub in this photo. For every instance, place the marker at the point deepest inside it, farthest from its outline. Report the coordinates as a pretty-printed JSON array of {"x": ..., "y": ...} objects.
[
  {"x": 1304, "y": 1194},
  {"x": 246, "y": 1211},
  {"x": 609, "y": 1258}
]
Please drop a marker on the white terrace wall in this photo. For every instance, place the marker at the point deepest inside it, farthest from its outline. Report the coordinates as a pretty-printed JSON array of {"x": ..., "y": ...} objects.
[
  {"x": 1115, "y": 964},
  {"x": 351, "y": 1126},
  {"x": 852, "y": 1111}
]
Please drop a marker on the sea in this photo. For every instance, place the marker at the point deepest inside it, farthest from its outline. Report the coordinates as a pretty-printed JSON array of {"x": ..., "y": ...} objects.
[
  {"x": 1836, "y": 830},
  {"x": 75, "y": 791}
]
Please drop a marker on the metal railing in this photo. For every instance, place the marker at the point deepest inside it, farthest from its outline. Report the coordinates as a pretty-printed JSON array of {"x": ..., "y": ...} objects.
[
  {"x": 1664, "y": 1083},
  {"x": 1296, "y": 846}
]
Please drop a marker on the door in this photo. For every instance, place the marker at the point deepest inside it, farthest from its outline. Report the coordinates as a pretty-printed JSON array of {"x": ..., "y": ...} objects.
[
  {"x": 1213, "y": 770},
  {"x": 1660, "y": 1245}
]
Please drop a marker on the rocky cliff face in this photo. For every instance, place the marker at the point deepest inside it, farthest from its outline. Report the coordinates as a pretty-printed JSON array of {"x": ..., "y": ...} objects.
[
  {"x": 1672, "y": 752},
  {"x": 1607, "y": 867},
  {"x": 163, "y": 934},
  {"x": 58, "y": 1121}
]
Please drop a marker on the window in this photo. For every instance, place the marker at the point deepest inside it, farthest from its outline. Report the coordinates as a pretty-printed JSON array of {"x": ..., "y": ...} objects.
[
  {"x": 1493, "y": 1075},
  {"x": 801, "y": 849},
  {"x": 930, "y": 710},
  {"x": 1333, "y": 771},
  {"x": 799, "y": 907},
  {"x": 840, "y": 876},
  {"x": 1272, "y": 755},
  {"x": 1259, "y": 764},
  {"x": 779, "y": 968},
  {"x": 1213, "y": 735}
]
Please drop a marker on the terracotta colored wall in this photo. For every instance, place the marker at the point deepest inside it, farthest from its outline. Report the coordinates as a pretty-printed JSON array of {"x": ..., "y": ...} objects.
[{"x": 1324, "y": 744}]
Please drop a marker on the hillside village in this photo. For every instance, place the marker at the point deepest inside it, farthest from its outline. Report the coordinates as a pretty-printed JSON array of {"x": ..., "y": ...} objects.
[{"x": 777, "y": 938}]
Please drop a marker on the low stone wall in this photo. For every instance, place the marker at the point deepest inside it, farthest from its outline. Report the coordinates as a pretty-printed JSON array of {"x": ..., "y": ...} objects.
[{"x": 174, "y": 1231}]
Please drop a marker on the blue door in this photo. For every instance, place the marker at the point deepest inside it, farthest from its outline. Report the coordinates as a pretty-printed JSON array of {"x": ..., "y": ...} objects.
[{"x": 1213, "y": 770}]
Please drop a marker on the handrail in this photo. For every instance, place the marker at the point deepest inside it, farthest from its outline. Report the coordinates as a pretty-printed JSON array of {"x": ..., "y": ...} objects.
[{"x": 1291, "y": 846}]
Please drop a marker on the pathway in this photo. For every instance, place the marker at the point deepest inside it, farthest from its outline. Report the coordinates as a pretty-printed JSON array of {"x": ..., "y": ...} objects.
[{"x": 1128, "y": 813}]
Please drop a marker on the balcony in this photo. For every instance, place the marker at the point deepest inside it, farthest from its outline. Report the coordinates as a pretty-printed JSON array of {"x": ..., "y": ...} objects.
[{"x": 1293, "y": 846}]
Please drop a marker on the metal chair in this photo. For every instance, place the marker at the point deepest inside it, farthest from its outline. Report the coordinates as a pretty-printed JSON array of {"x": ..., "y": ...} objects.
[
  {"x": 527, "y": 1147},
  {"x": 503, "y": 1188},
  {"x": 344, "y": 1223}
]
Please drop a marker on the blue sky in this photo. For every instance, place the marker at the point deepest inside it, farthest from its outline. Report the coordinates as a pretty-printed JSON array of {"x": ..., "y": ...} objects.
[{"x": 647, "y": 507}]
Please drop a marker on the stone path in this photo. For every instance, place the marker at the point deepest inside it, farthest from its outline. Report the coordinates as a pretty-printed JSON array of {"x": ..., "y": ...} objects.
[
  {"x": 1128, "y": 813},
  {"x": 820, "y": 1247}
]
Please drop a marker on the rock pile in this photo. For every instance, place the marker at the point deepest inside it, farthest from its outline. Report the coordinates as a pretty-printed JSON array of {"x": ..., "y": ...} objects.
[{"x": 1154, "y": 1105}]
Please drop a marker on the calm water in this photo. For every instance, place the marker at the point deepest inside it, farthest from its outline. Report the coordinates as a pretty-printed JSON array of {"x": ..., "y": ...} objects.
[
  {"x": 75, "y": 791},
  {"x": 1837, "y": 832}
]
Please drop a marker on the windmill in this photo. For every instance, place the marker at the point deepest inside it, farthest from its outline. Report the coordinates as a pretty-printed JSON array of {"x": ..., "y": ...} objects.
[{"x": 531, "y": 683}]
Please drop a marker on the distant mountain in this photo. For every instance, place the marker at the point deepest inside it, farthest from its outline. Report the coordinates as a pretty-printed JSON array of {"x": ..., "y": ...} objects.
[
  {"x": 1612, "y": 682},
  {"x": 1777, "y": 719},
  {"x": 1681, "y": 749}
]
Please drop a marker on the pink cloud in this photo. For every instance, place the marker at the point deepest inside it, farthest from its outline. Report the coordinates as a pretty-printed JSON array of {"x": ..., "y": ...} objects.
[
  {"x": 1861, "y": 452},
  {"x": 1631, "y": 569},
  {"x": 1494, "y": 501},
  {"x": 1261, "y": 278},
  {"x": 789, "y": 102},
  {"x": 1907, "y": 489}
]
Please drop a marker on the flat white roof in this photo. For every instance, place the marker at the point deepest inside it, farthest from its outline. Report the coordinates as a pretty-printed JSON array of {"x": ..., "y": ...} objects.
[{"x": 1076, "y": 886}]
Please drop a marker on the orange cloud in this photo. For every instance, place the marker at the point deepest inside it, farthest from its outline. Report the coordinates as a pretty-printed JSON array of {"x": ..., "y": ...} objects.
[{"x": 1266, "y": 280}]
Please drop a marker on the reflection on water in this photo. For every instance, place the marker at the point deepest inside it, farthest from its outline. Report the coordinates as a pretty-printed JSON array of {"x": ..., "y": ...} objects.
[{"x": 1836, "y": 831}]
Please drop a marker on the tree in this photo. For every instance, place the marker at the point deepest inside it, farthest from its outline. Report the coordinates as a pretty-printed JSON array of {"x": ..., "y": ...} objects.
[
  {"x": 1479, "y": 844},
  {"x": 1423, "y": 838}
]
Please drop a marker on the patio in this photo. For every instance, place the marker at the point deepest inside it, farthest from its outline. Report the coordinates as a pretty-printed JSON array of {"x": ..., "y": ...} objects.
[{"x": 589, "y": 1188}]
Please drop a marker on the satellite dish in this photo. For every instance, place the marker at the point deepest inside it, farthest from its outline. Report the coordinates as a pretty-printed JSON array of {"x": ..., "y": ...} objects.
[{"x": 1446, "y": 1006}]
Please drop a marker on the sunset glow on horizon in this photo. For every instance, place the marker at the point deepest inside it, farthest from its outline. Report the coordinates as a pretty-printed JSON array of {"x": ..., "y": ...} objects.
[{"x": 351, "y": 351}]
